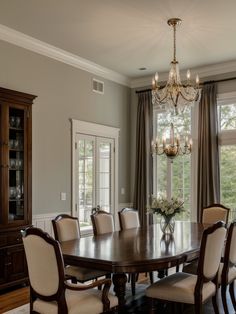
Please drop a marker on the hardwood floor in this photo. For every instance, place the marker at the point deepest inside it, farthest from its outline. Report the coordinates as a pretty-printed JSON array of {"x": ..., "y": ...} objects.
[
  {"x": 11, "y": 299},
  {"x": 135, "y": 305}
]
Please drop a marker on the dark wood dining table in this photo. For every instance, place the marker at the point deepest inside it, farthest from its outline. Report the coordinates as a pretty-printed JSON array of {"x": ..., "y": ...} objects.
[{"x": 134, "y": 250}]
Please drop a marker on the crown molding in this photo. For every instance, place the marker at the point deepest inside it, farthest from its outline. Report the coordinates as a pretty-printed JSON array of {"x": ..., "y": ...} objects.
[
  {"x": 30, "y": 43},
  {"x": 204, "y": 71}
]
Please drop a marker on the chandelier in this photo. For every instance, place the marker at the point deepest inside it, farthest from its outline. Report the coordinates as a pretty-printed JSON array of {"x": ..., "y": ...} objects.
[
  {"x": 175, "y": 96},
  {"x": 173, "y": 148}
]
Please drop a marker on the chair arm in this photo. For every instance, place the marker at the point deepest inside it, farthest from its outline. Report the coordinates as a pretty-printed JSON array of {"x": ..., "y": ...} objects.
[{"x": 97, "y": 283}]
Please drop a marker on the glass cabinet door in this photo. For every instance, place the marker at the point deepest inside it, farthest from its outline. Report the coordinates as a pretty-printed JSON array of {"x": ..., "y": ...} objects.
[{"x": 16, "y": 165}]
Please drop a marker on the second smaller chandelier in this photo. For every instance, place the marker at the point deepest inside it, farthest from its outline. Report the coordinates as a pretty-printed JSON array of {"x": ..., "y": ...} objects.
[
  {"x": 175, "y": 96},
  {"x": 173, "y": 148}
]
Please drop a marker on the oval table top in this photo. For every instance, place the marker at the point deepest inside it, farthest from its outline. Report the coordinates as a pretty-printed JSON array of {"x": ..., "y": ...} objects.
[{"x": 135, "y": 250}]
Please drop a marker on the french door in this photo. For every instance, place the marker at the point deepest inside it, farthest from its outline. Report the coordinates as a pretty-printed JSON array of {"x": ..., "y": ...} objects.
[{"x": 94, "y": 159}]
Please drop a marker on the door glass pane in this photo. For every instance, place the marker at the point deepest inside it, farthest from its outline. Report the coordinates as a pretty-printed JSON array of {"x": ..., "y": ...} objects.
[
  {"x": 85, "y": 180},
  {"x": 228, "y": 178},
  {"x": 16, "y": 165},
  {"x": 104, "y": 175}
]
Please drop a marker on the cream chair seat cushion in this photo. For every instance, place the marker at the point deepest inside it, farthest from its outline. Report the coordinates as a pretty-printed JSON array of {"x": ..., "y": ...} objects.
[
  {"x": 78, "y": 302},
  {"x": 179, "y": 287},
  {"x": 84, "y": 274},
  {"x": 231, "y": 273}
]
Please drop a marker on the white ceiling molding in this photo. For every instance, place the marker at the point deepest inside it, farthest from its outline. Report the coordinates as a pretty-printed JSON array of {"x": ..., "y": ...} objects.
[
  {"x": 30, "y": 43},
  {"x": 204, "y": 71}
]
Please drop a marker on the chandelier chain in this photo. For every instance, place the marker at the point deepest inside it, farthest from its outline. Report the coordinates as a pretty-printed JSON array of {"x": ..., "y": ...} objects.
[{"x": 174, "y": 42}]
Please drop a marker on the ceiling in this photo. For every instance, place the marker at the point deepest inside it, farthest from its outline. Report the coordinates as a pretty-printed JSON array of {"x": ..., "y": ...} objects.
[{"x": 126, "y": 35}]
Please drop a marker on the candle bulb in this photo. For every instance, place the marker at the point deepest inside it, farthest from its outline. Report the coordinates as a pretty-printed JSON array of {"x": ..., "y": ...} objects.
[
  {"x": 156, "y": 77},
  {"x": 177, "y": 140},
  {"x": 164, "y": 141},
  {"x": 197, "y": 80},
  {"x": 190, "y": 144},
  {"x": 172, "y": 134},
  {"x": 188, "y": 75},
  {"x": 153, "y": 84}
]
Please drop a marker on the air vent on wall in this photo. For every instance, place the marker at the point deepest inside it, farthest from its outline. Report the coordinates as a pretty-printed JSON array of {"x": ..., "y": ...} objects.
[{"x": 98, "y": 86}]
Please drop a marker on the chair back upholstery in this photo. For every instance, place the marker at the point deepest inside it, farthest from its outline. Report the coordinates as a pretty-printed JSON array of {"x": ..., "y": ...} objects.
[
  {"x": 232, "y": 246},
  {"x": 128, "y": 218},
  {"x": 214, "y": 213},
  {"x": 45, "y": 263},
  {"x": 102, "y": 222},
  {"x": 66, "y": 228},
  {"x": 230, "y": 254},
  {"x": 211, "y": 251}
]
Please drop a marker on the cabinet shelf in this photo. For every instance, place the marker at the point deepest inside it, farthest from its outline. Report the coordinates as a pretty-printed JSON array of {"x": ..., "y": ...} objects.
[{"x": 16, "y": 129}]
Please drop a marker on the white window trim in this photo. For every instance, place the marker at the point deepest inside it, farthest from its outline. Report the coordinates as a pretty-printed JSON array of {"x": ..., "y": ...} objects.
[{"x": 100, "y": 130}]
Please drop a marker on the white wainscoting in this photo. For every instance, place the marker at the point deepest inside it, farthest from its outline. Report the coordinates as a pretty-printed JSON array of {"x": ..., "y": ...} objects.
[{"x": 44, "y": 221}]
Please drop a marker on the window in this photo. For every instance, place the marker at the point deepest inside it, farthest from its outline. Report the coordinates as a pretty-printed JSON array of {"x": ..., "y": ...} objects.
[
  {"x": 227, "y": 141},
  {"x": 173, "y": 178},
  {"x": 94, "y": 170}
]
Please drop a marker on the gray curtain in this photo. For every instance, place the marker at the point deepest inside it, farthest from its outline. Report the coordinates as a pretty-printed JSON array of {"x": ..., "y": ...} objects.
[
  {"x": 144, "y": 163},
  {"x": 208, "y": 152}
]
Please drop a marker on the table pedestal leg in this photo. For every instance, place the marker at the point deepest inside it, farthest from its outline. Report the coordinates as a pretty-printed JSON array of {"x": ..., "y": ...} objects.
[{"x": 119, "y": 281}]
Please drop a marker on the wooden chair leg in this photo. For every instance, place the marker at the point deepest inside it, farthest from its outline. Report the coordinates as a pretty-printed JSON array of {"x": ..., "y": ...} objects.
[
  {"x": 198, "y": 307},
  {"x": 215, "y": 304},
  {"x": 133, "y": 281},
  {"x": 232, "y": 295},
  {"x": 151, "y": 277},
  {"x": 151, "y": 307},
  {"x": 224, "y": 299}
]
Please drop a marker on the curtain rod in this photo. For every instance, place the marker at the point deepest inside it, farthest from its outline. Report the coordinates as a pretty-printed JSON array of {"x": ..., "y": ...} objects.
[{"x": 207, "y": 82}]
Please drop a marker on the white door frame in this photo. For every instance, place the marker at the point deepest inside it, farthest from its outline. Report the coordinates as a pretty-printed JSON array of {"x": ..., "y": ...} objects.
[{"x": 100, "y": 130}]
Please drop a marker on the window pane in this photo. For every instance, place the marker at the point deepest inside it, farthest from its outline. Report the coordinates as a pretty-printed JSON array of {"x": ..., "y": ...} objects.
[
  {"x": 181, "y": 183},
  {"x": 227, "y": 116},
  {"x": 228, "y": 178}
]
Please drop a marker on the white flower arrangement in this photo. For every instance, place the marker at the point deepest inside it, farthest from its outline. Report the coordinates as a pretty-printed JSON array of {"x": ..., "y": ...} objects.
[{"x": 167, "y": 208}]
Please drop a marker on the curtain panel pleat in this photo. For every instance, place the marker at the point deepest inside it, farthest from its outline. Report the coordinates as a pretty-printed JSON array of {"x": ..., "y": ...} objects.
[
  {"x": 143, "y": 186},
  {"x": 208, "y": 150}
]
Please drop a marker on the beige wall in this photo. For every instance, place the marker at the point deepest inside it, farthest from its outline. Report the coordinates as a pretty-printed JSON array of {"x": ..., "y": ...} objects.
[{"x": 63, "y": 93}]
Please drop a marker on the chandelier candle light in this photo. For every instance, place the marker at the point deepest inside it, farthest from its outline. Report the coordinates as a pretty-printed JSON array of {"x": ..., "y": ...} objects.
[
  {"x": 175, "y": 96},
  {"x": 174, "y": 148}
]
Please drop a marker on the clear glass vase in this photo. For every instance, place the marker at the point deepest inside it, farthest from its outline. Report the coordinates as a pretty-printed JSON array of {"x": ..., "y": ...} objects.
[{"x": 167, "y": 224}]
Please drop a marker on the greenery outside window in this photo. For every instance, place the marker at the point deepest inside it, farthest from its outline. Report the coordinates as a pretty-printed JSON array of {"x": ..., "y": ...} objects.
[{"x": 227, "y": 141}]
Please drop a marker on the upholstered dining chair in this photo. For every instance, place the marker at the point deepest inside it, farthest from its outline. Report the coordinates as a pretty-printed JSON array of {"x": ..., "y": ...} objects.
[
  {"x": 227, "y": 270},
  {"x": 102, "y": 222},
  {"x": 128, "y": 219},
  {"x": 214, "y": 213},
  {"x": 195, "y": 289},
  {"x": 66, "y": 228},
  {"x": 49, "y": 292},
  {"x": 210, "y": 215}
]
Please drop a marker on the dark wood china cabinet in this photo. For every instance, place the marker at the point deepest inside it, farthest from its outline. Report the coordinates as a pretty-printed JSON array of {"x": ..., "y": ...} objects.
[{"x": 15, "y": 183}]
